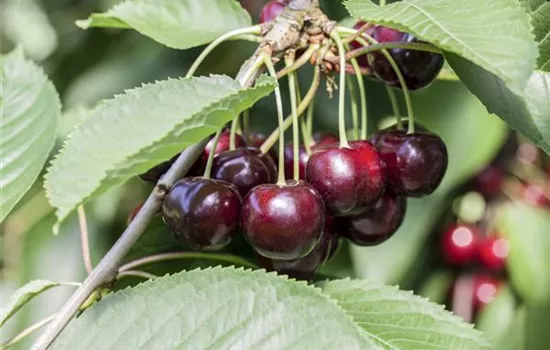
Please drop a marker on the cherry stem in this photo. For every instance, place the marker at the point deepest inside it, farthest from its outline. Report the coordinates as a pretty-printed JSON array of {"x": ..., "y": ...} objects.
[
  {"x": 227, "y": 258},
  {"x": 308, "y": 98},
  {"x": 395, "y": 106},
  {"x": 210, "y": 161},
  {"x": 28, "y": 331},
  {"x": 257, "y": 29},
  {"x": 289, "y": 59},
  {"x": 362, "y": 98},
  {"x": 303, "y": 59},
  {"x": 310, "y": 114},
  {"x": 354, "y": 109},
  {"x": 342, "y": 89},
  {"x": 306, "y": 136},
  {"x": 382, "y": 3},
  {"x": 245, "y": 120},
  {"x": 136, "y": 273},
  {"x": 233, "y": 133},
  {"x": 279, "y": 102},
  {"x": 84, "y": 239},
  {"x": 391, "y": 45}
]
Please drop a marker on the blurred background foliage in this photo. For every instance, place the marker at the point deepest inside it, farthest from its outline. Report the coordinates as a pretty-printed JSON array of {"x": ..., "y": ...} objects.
[{"x": 87, "y": 66}]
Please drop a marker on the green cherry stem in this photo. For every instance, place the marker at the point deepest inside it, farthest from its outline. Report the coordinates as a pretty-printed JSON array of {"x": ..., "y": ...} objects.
[
  {"x": 354, "y": 109},
  {"x": 303, "y": 59},
  {"x": 382, "y": 3},
  {"x": 226, "y": 258},
  {"x": 279, "y": 101},
  {"x": 388, "y": 46},
  {"x": 289, "y": 59},
  {"x": 136, "y": 273},
  {"x": 395, "y": 106},
  {"x": 27, "y": 331},
  {"x": 362, "y": 98},
  {"x": 342, "y": 89},
  {"x": 246, "y": 125},
  {"x": 233, "y": 132},
  {"x": 257, "y": 29},
  {"x": 210, "y": 160},
  {"x": 310, "y": 114},
  {"x": 308, "y": 99}
]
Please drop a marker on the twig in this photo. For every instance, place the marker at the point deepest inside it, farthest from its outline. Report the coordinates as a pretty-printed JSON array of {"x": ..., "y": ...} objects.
[
  {"x": 84, "y": 241},
  {"x": 27, "y": 331}
]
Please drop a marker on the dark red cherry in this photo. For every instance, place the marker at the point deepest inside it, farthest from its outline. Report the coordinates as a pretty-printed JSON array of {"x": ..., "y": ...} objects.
[
  {"x": 536, "y": 195},
  {"x": 486, "y": 288},
  {"x": 493, "y": 252},
  {"x": 272, "y": 9},
  {"x": 245, "y": 168},
  {"x": 283, "y": 222},
  {"x": 304, "y": 268},
  {"x": 362, "y": 60},
  {"x": 489, "y": 181},
  {"x": 155, "y": 173},
  {"x": 379, "y": 222},
  {"x": 256, "y": 139},
  {"x": 324, "y": 138},
  {"x": 459, "y": 244},
  {"x": 289, "y": 161},
  {"x": 223, "y": 144},
  {"x": 419, "y": 68},
  {"x": 348, "y": 179},
  {"x": 202, "y": 214},
  {"x": 415, "y": 163}
]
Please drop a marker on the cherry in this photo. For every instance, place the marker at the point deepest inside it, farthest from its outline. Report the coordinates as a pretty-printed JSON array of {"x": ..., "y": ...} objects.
[
  {"x": 223, "y": 144},
  {"x": 486, "y": 288},
  {"x": 378, "y": 223},
  {"x": 348, "y": 179},
  {"x": 272, "y": 9},
  {"x": 304, "y": 268},
  {"x": 256, "y": 139},
  {"x": 283, "y": 222},
  {"x": 493, "y": 252},
  {"x": 415, "y": 163},
  {"x": 245, "y": 168},
  {"x": 289, "y": 160},
  {"x": 202, "y": 213},
  {"x": 489, "y": 181},
  {"x": 419, "y": 68},
  {"x": 535, "y": 195},
  {"x": 459, "y": 244},
  {"x": 362, "y": 60},
  {"x": 324, "y": 138}
]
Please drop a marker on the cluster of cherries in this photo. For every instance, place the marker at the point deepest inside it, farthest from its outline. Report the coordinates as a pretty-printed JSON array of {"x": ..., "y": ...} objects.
[{"x": 477, "y": 246}]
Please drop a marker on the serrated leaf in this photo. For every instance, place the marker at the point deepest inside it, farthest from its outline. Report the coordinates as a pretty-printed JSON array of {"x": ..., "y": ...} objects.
[
  {"x": 30, "y": 116},
  {"x": 526, "y": 228},
  {"x": 219, "y": 308},
  {"x": 480, "y": 31},
  {"x": 539, "y": 10},
  {"x": 402, "y": 320},
  {"x": 22, "y": 296},
  {"x": 130, "y": 133},
  {"x": 178, "y": 24}
]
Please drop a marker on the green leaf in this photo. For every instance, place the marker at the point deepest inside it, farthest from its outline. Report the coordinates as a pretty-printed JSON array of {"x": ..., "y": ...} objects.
[
  {"x": 30, "y": 115},
  {"x": 178, "y": 24},
  {"x": 402, "y": 320},
  {"x": 480, "y": 31},
  {"x": 540, "y": 19},
  {"x": 480, "y": 137},
  {"x": 526, "y": 228},
  {"x": 22, "y": 296},
  {"x": 497, "y": 318},
  {"x": 129, "y": 134},
  {"x": 217, "y": 308}
]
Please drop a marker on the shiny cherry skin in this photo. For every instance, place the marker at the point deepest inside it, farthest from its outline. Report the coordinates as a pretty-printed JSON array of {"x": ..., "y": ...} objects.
[
  {"x": 493, "y": 252},
  {"x": 272, "y": 9},
  {"x": 459, "y": 244},
  {"x": 535, "y": 195},
  {"x": 289, "y": 161},
  {"x": 283, "y": 222},
  {"x": 245, "y": 168},
  {"x": 223, "y": 144},
  {"x": 348, "y": 179},
  {"x": 489, "y": 181},
  {"x": 304, "y": 268},
  {"x": 419, "y": 68},
  {"x": 202, "y": 214},
  {"x": 378, "y": 223},
  {"x": 362, "y": 60},
  {"x": 256, "y": 139},
  {"x": 486, "y": 288},
  {"x": 415, "y": 163},
  {"x": 324, "y": 138}
]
